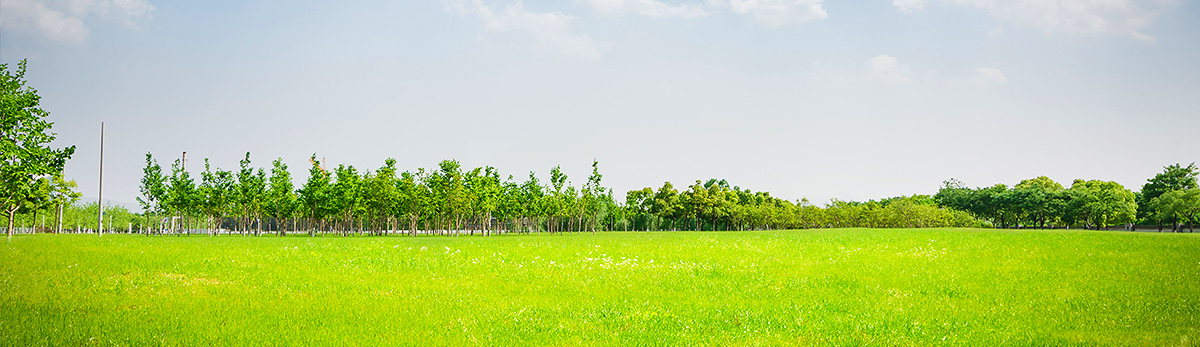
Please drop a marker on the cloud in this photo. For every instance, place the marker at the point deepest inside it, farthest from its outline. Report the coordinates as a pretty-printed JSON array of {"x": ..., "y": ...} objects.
[
  {"x": 988, "y": 75},
  {"x": 779, "y": 12},
  {"x": 908, "y": 6},
  {"x": 1086, "y": 17},
  {"x": 648, "y": 8},
  {"x": 64, "y": 21},
  {"x": 888, "y": 68},
  {"x": 550, "y": 29}
]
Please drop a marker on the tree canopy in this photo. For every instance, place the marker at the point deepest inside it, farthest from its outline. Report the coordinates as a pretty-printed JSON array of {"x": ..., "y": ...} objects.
[{"x": 29, "y": 166}]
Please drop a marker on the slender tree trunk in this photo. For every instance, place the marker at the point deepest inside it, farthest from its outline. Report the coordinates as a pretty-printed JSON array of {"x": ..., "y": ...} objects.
[{"x": 11, "y": 215}]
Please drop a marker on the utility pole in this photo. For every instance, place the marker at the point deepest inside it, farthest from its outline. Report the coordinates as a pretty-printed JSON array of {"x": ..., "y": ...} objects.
[
  {"x": 181, "y": 219},
  {"x": 100, "y": 201}
]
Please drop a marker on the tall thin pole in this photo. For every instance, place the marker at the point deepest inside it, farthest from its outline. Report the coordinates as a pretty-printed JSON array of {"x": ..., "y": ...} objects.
[{"x": 100, "y": 202}]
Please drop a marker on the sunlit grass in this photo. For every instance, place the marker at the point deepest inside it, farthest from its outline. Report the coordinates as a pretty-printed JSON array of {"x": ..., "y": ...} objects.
[{"x": 840, "y": 287}]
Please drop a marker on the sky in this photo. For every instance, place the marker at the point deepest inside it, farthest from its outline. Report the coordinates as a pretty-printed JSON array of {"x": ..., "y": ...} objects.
[{"x": 849, "y": 100}]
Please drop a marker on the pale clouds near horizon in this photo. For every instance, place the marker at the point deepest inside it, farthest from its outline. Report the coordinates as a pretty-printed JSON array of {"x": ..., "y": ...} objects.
[
  {"x": 802, "y": 98},
  {"x": 64, "y": 21},
  {"x": 1092, "y": 17}
]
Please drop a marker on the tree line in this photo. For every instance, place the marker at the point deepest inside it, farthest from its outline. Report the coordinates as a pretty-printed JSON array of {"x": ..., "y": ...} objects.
[
  {"x": 447, "y": 199},
  {"x": 451, "y": 199},
  {"x": 1169, "y": 198}
]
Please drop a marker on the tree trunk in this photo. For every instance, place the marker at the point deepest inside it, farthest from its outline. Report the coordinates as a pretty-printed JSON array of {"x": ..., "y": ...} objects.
[{"x": 11, "y": 214}]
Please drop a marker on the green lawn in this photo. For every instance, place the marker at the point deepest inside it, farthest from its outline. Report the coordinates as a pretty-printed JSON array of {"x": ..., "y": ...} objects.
[{"x": 826, "y": 287}]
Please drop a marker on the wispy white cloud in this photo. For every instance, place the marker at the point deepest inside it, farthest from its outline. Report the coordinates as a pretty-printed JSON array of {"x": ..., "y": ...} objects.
[
  {"x": 908, "y": 6},
  {"x": 63, "y": 21},
  {"x": 552, "y": 30},
  {"x": 1087, "y": 17},
  {"x": 986, "y": 75},
  {"x": 649, "y": 8},
  {"x": 779, "y": 12},
  {"x": 888, "y": 68}
]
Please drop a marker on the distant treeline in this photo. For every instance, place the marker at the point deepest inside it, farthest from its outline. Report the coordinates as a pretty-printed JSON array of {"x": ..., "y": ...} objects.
[
  {"x": 78, "y": 217},
  {"x": 450, "y": 199},
  {"x": 1170, "y": 198}
]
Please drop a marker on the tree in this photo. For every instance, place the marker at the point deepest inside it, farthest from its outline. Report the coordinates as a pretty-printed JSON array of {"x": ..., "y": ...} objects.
[
  {"x": 533, "y": 198},
  {"x": 251, "y": 190},
  {"x": 666, "y": 203},
  {"x": 1101, "y": 203},
  {"x": 62, "y": 194},
  {"x": 153, "y": 188},
  {"x": 1178, "y": 206},
  {"x": 347, "y": 196},
  {"x": 281, "y": 196},
  {"x": 314, "y": 196},
  {"x": 414, "y": 198},
  {"x": 592, "y": 195},
  {"x": 25, "y": 152},
  {"x": 487, "y": 189},
  {"x": 1038, "y": 199},
  {"x": 1173, "y": 177},
  {"x": 217, "y": 194},
  {"x": 182, "y": 197}
]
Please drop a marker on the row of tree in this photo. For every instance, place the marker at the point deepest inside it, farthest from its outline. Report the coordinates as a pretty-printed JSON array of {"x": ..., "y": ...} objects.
[
  {"x": 79, "y": 217},
  {"x": 450, "y": 199},
  {"x": 1170, "y": 197},
  {"x": 714, "y": 205},
  {"x": 445, "y": 199}
]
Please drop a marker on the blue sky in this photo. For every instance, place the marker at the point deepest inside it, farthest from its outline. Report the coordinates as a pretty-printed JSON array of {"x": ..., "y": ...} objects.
[{"x": 803, "y": 98}]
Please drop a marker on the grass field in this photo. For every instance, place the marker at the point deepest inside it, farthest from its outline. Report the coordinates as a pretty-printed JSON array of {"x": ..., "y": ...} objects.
[{"x": 826, "y": 287}]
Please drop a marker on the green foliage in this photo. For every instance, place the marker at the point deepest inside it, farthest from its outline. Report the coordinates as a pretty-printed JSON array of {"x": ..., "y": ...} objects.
[
  {"x": 451, "y": 199},
  {"x": 1174, "y": 177},
  {"x": 1041, "y": 202},
  {"x": 28, "y": 164},
  {"x": 154, "y": 186},
  {"x": 847, "y": 287},
  {"x": 80, "y": 217},
  {"x": 1178, "y": 206},
  {"x": 1100, "y": 203},
  {"x": 315, "y": 195},
  {"x": 281, "y": 198}
]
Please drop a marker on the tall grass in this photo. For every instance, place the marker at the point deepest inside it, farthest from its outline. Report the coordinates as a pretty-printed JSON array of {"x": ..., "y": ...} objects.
[{"x": 840, "y": 287}]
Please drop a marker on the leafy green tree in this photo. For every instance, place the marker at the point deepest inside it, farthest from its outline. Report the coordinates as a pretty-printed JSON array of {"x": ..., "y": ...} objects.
[
  {"x": 557, "y": 209},
  {"x": 182, "y": 196},
  {"x": 221, "y": 195},
  {"x": 414, "y": 199},
  {"x": 63, "y": 193},
  {"x": 153, "y": 189},
  {"x": 533, "y": 198},
  {"x": 1100, "y": 204},
  {"x": 281, "y": 199},
  {"x": 954, "y": 194},
  {"x": 251, "y": 193},
  {"x": 487, "y": 190},
  {"x": 449, "y": 195},
  {"x": 1173, "y": 177},
  {"x": 315, "y": 195},
  {"x": 347, "y": 196},
  {"x": 1178, "y": 206},
  {"x": 381, "y": 195},
  {"x": 25, "y": 152},
  {"x": 666, "y": 203},
  {"x": 1039, "y": 199}
]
